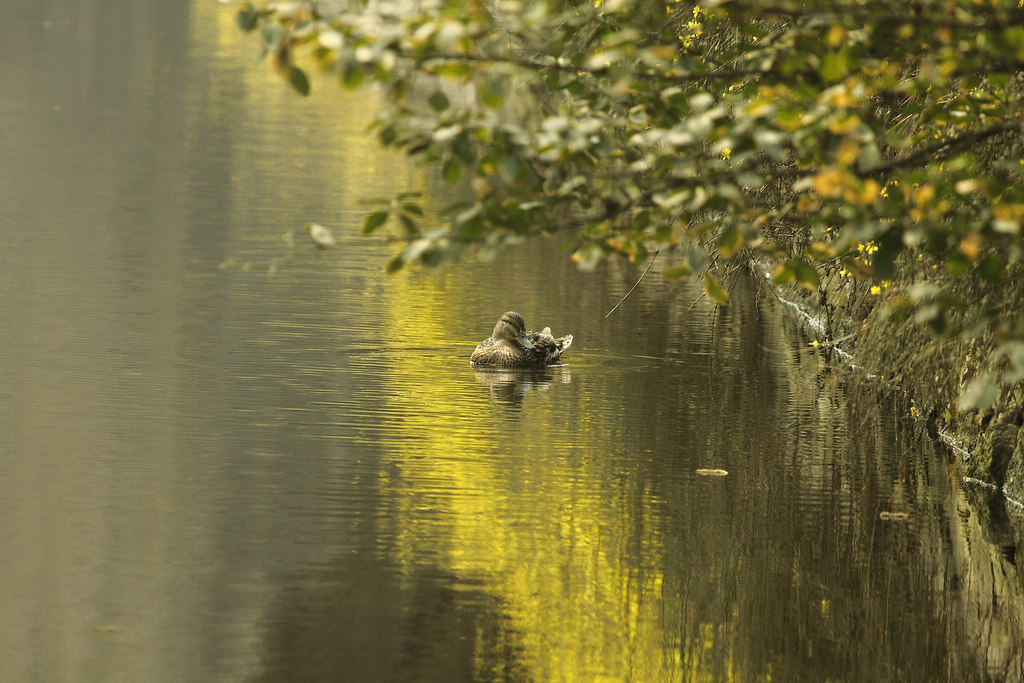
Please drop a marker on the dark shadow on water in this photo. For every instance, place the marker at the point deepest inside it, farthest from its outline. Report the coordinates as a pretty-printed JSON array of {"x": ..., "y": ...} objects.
[{"x": 363, "y": 620}]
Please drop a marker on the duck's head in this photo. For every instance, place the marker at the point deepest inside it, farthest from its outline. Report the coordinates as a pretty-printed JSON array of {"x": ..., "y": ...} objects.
[{"x": 512, "y": 328}]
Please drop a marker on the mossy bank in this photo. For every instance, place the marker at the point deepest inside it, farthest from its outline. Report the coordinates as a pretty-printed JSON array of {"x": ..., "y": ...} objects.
[{"x": 934, "y": 361}]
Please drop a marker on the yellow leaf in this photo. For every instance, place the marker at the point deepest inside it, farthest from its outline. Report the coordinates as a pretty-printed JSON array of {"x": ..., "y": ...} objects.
[
  {"x": 820, "y": 250},
  {"x": 712, "y": 472},
  {"x": 870, "y": 191},
  {"x": 807, "y": 203},
  {"x": 782, "y": 274},
  {"x": 848, "y": 151},
  {"x": 730, "y": 242},
  {"x": 923, "y": 195},
  {"x": 836, "y": 36},
  {"x": 831, "y": 182},
  {"x": 714, "y": 290},
  {"x": 676, "y": 272},
  {"x": 842, "y": 124},
  {"x": 970, "y": 246}
]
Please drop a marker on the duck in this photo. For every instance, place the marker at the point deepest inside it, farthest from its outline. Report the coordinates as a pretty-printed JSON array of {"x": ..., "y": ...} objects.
[{"x": 512, "y": 346}]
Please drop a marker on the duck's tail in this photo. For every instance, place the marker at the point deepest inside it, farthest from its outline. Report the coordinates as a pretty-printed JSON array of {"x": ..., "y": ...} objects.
[{"x": 557, "y": 347}]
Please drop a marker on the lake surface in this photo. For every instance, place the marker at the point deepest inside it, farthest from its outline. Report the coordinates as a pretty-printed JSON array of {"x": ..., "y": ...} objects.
[{"x": 227, "y": 458}]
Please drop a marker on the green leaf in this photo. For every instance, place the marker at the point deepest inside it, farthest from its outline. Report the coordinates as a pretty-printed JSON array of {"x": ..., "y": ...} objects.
[
  {"x": 806, "y": 275},
  {"x": 958, "y": 264},
  {"x": 450, "y": 69},
  {"x": 298, "y": 80},
  {"x": 869, "y": 157},
  {"x": 462, "y": 147},
  {"x": 714, "y": 290},
  {"x": 698, "y": 230},
  {"x": 999, "y": 81},
  {"x": 680, "y": 272},
  {"x": 374, "y": 221},
  {"x": 782, "y": 273},
  {"x": 395, "y": 264},
  {"x": 470, "y": 226},
  {"x": 730, "y": 242},
  {"x": 981, "y": 394},
  {"x": 399, "y": 89},
  {"x": 884, "y": 262},
  {"x": 492, "y": 93},
  {"x": 411, "y": 229},
  {"x": 248, "y": 18},
  {"x": 1015, "y": 354},
  {"x": 352, "y": 75},
  {"x": 511, "y": 169},
  {"x": 438, "y": 101},
  {"x": 991, "y": 268},
  {"x": 575, "y": 87},
  {"x": 381, "y": 72},
  {"x": 451, "y": 170},
  {"x": 271, "y": 35},
  {"x": 388, "y": 135},
  {"x": 834, "y": 66},
  {"x": 431, "y": 258},
  {"x": 641, "y": 220},
  {"x": 696, "y": 259}
]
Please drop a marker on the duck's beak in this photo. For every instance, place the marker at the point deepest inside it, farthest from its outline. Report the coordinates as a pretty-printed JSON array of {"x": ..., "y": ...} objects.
[{"x": 525, "y": 341}]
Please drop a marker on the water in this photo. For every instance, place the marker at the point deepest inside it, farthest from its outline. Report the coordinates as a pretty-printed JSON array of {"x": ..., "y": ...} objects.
[{"x": 212, "y": 472}]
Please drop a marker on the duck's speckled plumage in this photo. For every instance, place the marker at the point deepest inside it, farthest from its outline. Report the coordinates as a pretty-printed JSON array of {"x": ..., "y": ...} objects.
[{"x": 512, "y": 346}]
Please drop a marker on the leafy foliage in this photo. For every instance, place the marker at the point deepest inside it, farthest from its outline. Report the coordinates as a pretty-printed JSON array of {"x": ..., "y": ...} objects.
[{"x": 858, "y": 139}]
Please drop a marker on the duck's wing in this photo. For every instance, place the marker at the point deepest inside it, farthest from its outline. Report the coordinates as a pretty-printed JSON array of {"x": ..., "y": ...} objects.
[
  {"x": 551, "y": 347},
  {"x": 541, "y": 337},
  {"x": 479, "y": 354}
]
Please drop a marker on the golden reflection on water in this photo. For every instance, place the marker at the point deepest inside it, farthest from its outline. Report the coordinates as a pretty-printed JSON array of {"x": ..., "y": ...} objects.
[
  {"x": 502, "y": 484},
  {"x": 503, "y": 495},
  {"x": 181, "y": 436}
]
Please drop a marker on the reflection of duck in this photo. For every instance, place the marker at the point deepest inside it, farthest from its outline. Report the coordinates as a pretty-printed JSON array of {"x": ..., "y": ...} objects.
[
  {"x": 511, "y": 346},
  {"x": 510, "y": 386}
]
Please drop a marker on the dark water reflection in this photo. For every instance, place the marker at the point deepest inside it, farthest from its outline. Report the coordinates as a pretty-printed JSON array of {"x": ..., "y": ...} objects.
[{"x": 215, "y": 474}]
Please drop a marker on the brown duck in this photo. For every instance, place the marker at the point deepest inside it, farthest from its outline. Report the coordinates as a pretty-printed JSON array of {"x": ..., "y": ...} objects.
[{"x": 512, "y": 346}]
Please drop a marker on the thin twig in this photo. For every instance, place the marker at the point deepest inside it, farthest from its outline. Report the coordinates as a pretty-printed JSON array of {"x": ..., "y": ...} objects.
[
  {"x": 836, "y": 342},
  {"x": 656, "y": 251}
]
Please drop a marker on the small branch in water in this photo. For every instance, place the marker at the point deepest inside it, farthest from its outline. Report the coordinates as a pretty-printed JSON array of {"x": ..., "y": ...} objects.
[
  {"x": 836, "y": 342},
  {"x": 656, "y": 252}
]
